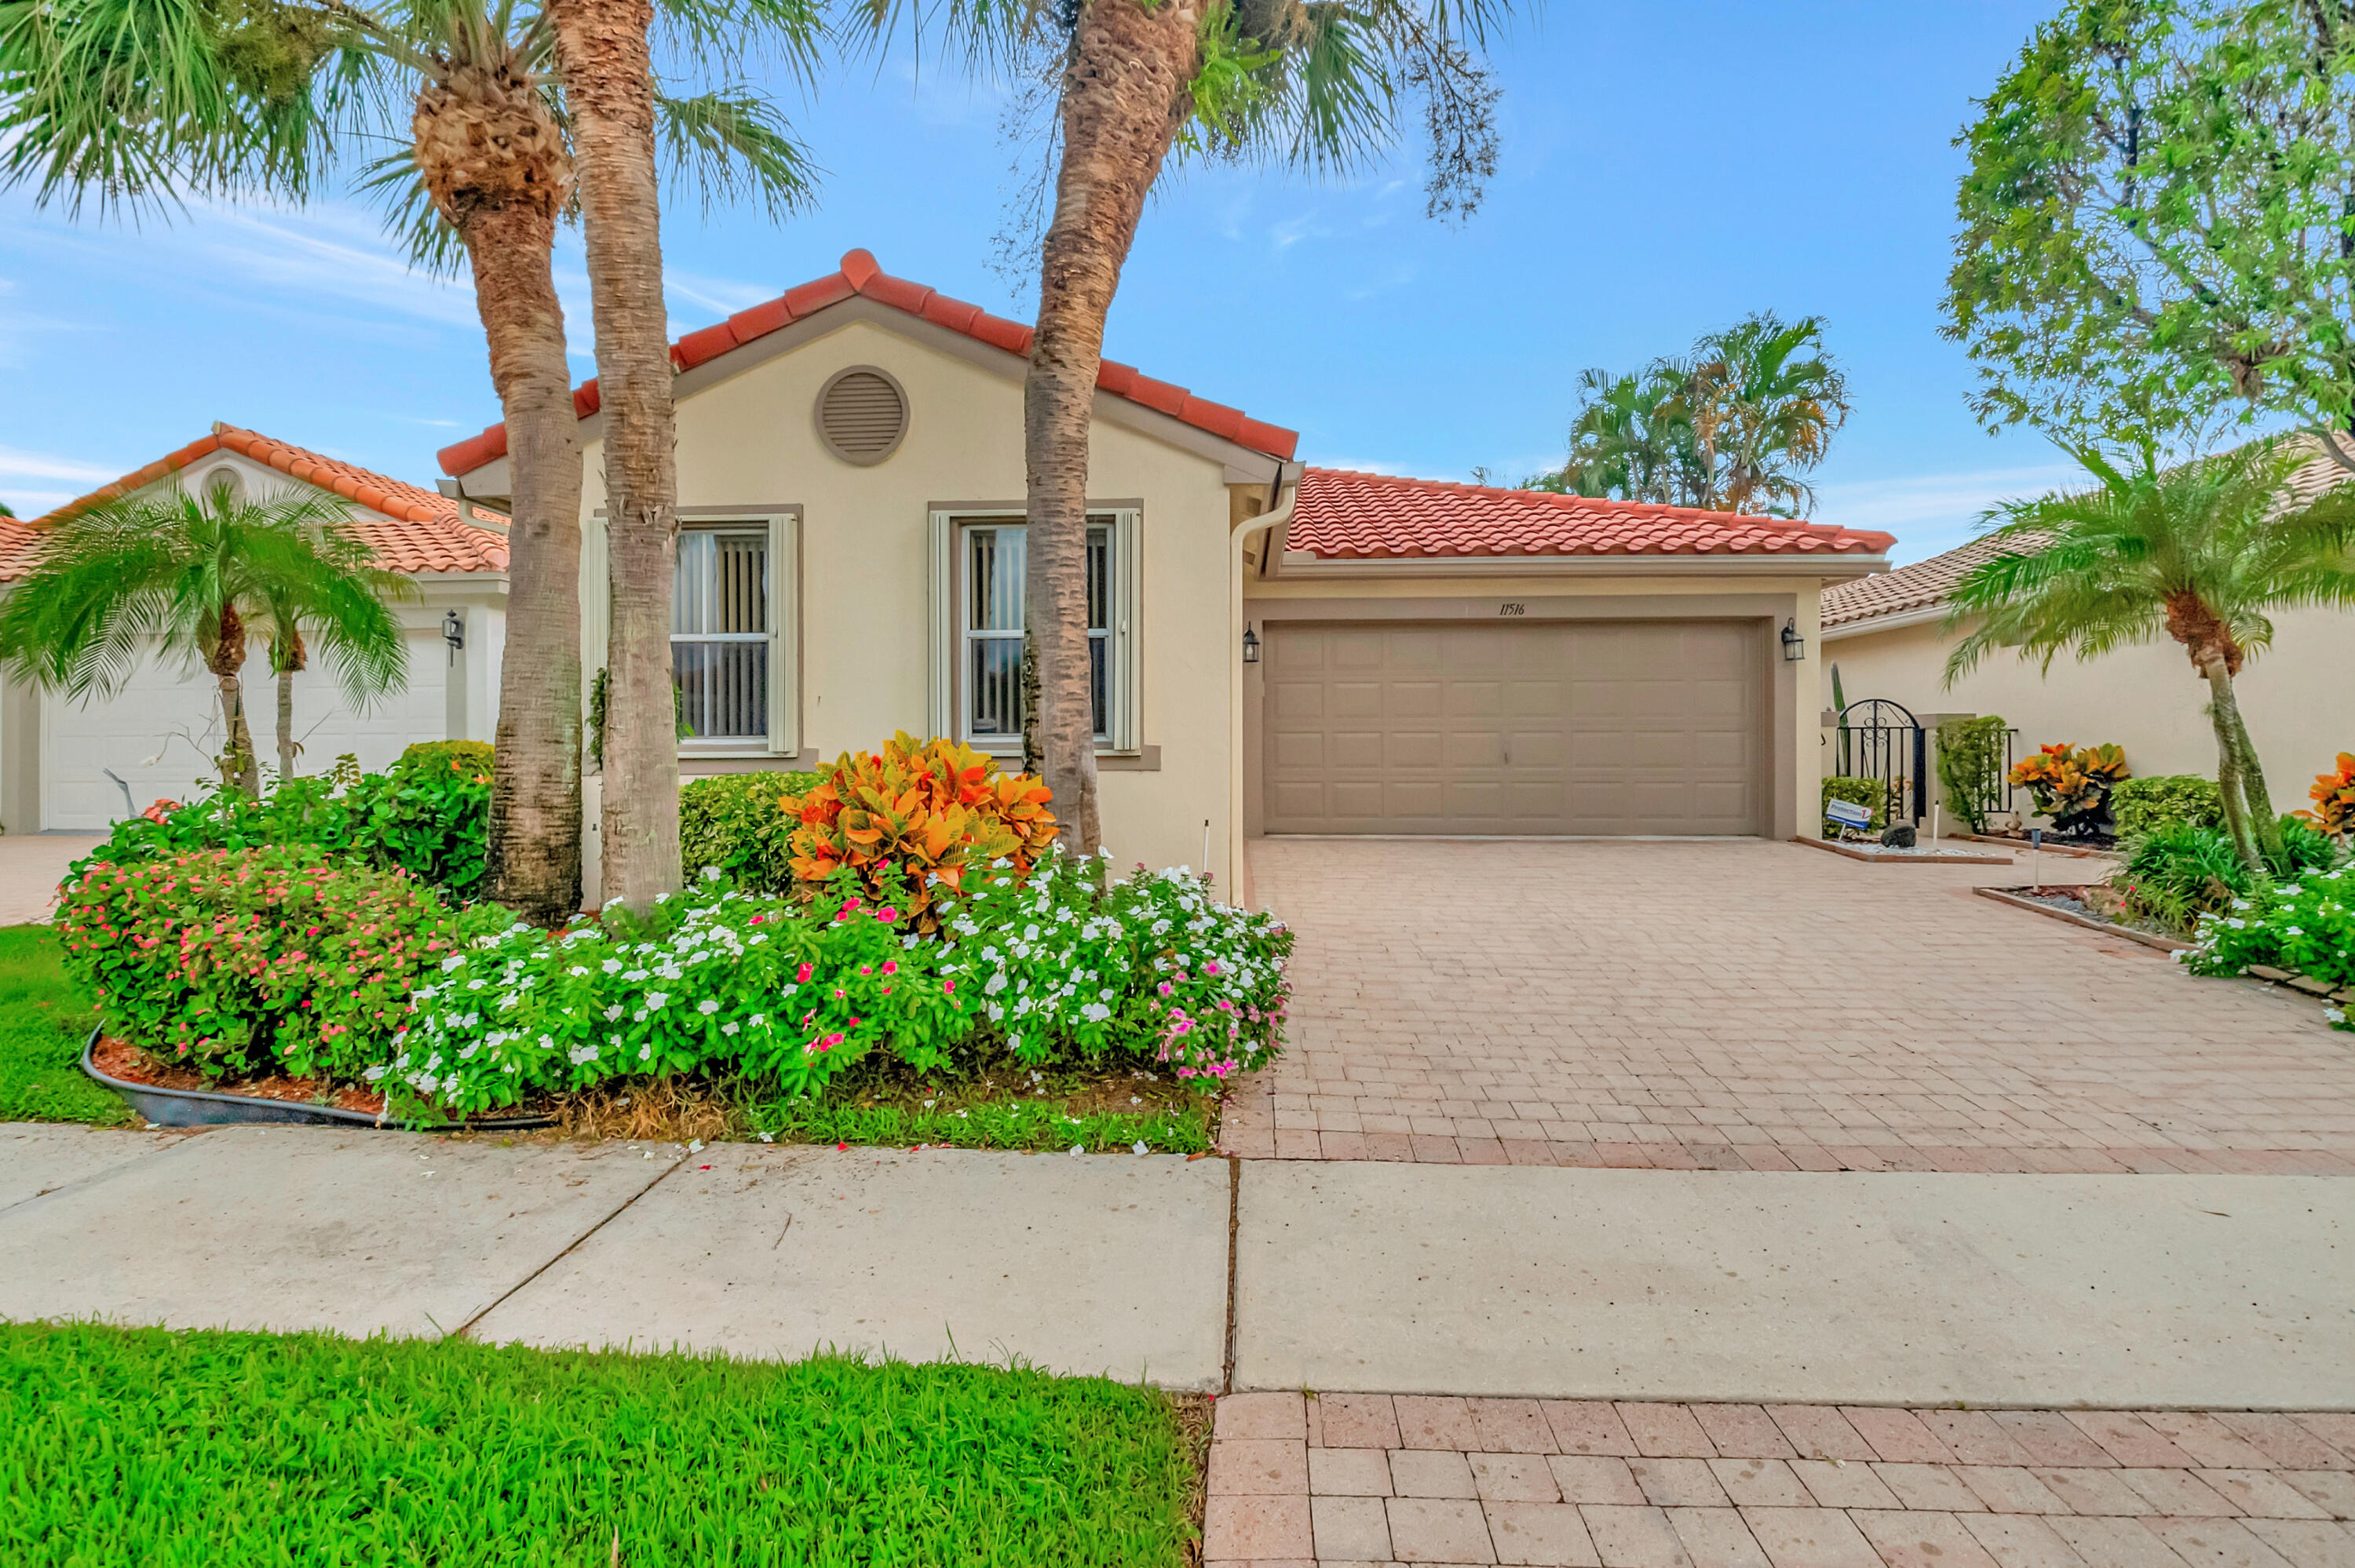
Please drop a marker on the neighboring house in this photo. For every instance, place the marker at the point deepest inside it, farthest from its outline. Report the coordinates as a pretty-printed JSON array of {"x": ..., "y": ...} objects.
[
  {"x": 1886, "y": 635},
  {"x": 1402, "y": 657},
  {"x": 67, "y": 765}
]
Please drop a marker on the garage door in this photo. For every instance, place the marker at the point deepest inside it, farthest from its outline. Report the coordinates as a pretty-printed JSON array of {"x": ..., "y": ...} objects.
[
  {"x": 1538, "y": 727},
  {"x": 159, "y": 733}
]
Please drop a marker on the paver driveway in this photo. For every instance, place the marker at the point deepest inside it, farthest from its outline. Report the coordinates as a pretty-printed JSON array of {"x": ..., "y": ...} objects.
[{"x": 1745, "y": 1003}]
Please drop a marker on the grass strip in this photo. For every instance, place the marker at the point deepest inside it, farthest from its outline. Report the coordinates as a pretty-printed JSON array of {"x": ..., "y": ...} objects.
[
  {"x": 993, "y": 1124},
  {"x": 43, "y": 1022},
  {"x": 168, "y": 1448}
]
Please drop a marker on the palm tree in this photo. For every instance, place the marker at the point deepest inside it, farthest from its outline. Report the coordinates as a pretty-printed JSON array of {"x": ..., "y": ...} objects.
[
  {"x": 1730, "y": 429},
  {"x": 147, "y": 103},
  {"x": 1765, "y": 401},
  {"x": 1317, "y": 85},
  {"x": 1633, "y": 438},
  {"x": 326, "y": 604},
  {"x": 191, "y": 575},
  {"x": 605, "y": 55},
  {"x": 2199, "y": 553}
]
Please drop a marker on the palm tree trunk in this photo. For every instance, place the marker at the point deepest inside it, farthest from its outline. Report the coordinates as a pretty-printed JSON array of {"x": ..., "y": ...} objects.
[
  {"x": 285, "y": 724},
  {"x": 2224, "y": 713},
  {"x": 494, "y": 161},
  {"x": 239, "y": 765},
  {"x": 535, "y": 761},
  {"x": 1125, "y": 95},
  {"x": 602, "y": 53},
  {"x": 2264, "y": 822}
]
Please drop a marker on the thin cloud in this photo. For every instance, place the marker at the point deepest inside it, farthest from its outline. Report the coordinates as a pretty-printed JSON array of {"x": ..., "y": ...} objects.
[
  {"x": 17, "y": 464},
  {"x": 1931, "y": 513}
]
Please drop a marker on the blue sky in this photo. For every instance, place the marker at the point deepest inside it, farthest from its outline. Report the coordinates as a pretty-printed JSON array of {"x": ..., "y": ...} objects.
[{"x": 1667, "y": 167}]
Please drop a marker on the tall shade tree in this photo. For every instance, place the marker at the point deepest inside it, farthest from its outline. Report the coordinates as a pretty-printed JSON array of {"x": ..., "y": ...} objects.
[
  {"x": 1734, "y": 428},
  {"x": 150, "y": 103},
  {"x": 2200, "y": 553},
  {"x": 1319, "y": 86},
  {"x": 2154, "y": 222},
  {"x": 605, "y": 52},
  {"x": 197, "y": 577}
]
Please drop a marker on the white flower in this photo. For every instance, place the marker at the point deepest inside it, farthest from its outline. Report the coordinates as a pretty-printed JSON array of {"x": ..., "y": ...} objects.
[
  {"x": 658, "y": 999},
  {"x": 706, "y": 1007},
  {"x": 710, "y": 873},
  {"x": 453, "y": 961},
  {"x": 729, "y": 1027},
  {"x": 1137, "y": 1147},
  {"x": 760, "y": 1021},
  {"x": 1078, "y": 1148}
]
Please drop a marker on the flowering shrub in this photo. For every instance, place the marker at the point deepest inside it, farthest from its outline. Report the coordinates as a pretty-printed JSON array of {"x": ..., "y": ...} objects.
[
  {"x": 714, "y": 976},
  {"x": 429, "y": 816},
  {"x": 2072, "y": 785},
  {"x": 2334, "y": 798},
  {"x": 926, "y": 811},
  {"x": 1149, "y": 965},
  {"x": 243, "y": 960},
  {"x": 2305, "y": 926}
]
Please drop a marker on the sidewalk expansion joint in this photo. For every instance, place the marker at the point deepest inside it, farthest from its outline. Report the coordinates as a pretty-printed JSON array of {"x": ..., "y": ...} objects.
[{"x": 466, "y": 1328}]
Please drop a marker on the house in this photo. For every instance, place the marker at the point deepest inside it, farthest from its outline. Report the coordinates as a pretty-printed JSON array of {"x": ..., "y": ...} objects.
[
  {"x": 1886, "y": 636},
  {"x": 69, "y": 765},
  {"x": 1283, "y": 649},
  {"x": 1280, "y": 649}
]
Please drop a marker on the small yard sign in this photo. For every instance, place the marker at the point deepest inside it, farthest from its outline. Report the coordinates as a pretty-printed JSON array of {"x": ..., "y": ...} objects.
[{"x": 1847, "y": 813}]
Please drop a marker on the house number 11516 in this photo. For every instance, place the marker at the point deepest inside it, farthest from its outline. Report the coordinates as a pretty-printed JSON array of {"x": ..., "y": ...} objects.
[{"x": 1509, "y": 608}]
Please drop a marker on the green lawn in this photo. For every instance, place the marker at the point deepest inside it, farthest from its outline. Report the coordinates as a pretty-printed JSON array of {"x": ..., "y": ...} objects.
[
  {"x": 43, "y": 1022},
  {"x": 206, "y": 1447}
]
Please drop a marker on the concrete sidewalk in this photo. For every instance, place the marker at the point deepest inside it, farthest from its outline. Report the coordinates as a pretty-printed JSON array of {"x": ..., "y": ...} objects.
[
  {"x": 2031, "y": 1291},
  {"x": 1107, "y": 1264},
  {"x": 2124, "y": 1291}
]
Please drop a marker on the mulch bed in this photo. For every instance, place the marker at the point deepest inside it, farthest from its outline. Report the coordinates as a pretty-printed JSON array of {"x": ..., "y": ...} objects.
[{"x": 119, "y": 1058}]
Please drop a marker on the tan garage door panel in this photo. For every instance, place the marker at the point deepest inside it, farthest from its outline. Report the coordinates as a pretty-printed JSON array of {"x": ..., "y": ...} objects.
[{"x": 1543, "y": 727}]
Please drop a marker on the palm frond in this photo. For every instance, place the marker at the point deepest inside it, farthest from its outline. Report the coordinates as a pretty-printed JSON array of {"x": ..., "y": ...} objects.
[{"x": 731, "y": 143}]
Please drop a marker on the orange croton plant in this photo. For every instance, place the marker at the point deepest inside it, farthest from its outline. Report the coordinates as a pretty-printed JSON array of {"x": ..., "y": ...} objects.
[
  {"x": 931, "y": 809},
  {"x": 2334, "y": 798}
]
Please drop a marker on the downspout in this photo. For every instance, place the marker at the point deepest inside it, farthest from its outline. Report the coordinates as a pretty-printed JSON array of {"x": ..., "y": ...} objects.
[{"x": 1287, "y": 479}]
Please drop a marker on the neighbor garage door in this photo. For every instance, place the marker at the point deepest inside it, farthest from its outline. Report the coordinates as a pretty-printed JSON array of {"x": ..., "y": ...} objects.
[{"x": 1533, "y": 728}]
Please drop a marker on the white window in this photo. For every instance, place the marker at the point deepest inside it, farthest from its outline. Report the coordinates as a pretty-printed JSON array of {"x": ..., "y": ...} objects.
[
  {"x": 980, "y": 563},
  {"x": 729, "y": 654}
]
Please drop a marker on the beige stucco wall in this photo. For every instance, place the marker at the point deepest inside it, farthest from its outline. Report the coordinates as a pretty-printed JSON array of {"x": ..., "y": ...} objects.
[
  {"x": 865, "y": 608},
  {"x": 1736, "y": 593},
  {"x": 2298, "y": 696}
]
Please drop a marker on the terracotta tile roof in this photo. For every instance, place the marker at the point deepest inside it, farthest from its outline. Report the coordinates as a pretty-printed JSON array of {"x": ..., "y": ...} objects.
[
  {"x": 1371, "y": 516},
  {"x": 410, "y": 529},
  {"x": 1918, "y": 586},
  {"x": 1926, "y": 583},
  {"x": 860, "y": 276}
]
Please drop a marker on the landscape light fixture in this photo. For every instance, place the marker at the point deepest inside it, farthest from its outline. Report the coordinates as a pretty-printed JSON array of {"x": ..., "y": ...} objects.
[
  {"x": 453, "y": 632},
  {"x": 1795, "y": 647}
]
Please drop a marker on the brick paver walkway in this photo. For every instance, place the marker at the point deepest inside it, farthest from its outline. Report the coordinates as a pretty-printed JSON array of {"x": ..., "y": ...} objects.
[
  {"x": 1765, "y": 1006},
  {"x": 1373, "y": 1479}
]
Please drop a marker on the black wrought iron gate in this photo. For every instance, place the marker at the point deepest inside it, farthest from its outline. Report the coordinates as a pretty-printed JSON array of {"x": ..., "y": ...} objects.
[{"x": 1881, "y": 740}]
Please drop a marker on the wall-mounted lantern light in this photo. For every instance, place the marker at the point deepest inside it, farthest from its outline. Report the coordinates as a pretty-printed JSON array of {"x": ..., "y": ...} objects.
[
  {"x": 453, "y": 632},
  {"x": 1250, "y": 646},
  {"x": 1795, "y": 647}
]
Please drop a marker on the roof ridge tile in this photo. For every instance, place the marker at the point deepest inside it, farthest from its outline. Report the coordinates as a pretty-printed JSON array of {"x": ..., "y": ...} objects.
[{"x": 861, "y": 276}]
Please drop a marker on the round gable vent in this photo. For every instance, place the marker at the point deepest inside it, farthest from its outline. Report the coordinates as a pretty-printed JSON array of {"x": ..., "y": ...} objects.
[{"x": 862, "y": 415}]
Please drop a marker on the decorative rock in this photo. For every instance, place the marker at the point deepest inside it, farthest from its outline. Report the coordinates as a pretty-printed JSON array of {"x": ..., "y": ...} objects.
[
  {"x": 2267, "y": 972},
  {"x": 1899, "y": 837},
  {"x": 2309, "y": 985}
]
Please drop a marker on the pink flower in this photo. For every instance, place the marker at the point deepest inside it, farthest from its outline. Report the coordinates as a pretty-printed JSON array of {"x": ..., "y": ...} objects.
[
  {"x": 887, "y": 914},
  {"x": 802, "y": 974},
  {"x": 948, "y": 986},
  {"x": 890, "y": 966}
]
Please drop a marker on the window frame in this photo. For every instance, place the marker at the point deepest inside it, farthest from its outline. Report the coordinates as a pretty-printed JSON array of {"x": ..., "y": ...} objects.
[
  {"x": 952, "y": 636},
  {"x": 783, "y": 529}
]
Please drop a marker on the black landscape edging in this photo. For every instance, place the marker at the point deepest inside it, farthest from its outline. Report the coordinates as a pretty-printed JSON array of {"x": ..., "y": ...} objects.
[{"x": 209, "y": 1107}]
